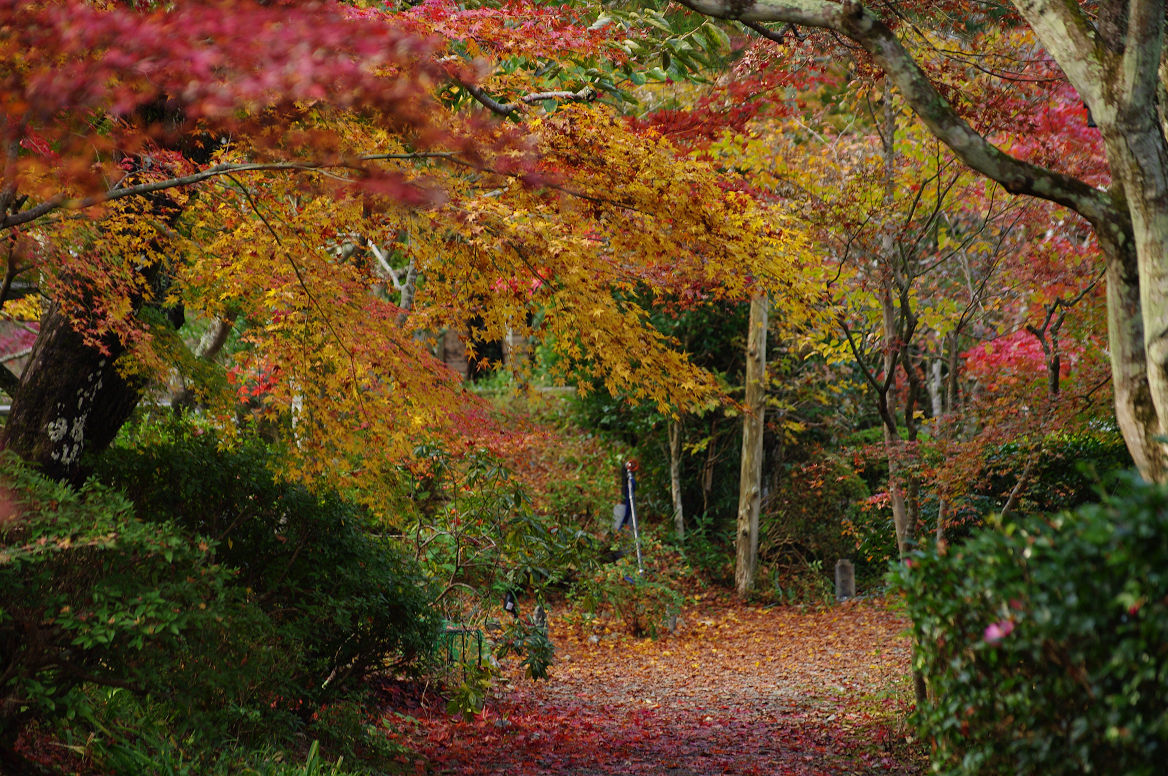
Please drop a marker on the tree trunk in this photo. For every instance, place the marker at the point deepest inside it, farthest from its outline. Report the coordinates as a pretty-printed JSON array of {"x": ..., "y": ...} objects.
[
  {"x": 1135, "y": 411},
  {"x": 936, "y": 387},
  {"x": 708, "y": 467},
  {"x": 182, "y": 396},
  {"x": 750, "y": 481},
  {"x": 895, "y": 340},
  {"x": 71, "y": 400},
  {"x": 675, "y": 478}
]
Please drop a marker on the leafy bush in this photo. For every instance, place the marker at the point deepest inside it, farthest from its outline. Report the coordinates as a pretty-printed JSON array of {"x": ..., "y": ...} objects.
[
  {"x": 1045, "y": 642},
  {"x": 89, "y": 594},
  {"x": 709, "y": 547},
  {"x": 566, "y": 469},
  {"x": 806, "y": 585},
  {"x": 478, "y": 536},
  {"x": 646, "y": 602},
  {"x": 528, "y": 638},
  {"x": 806, "y": 518},
  {"x": 1066, "y": 474},
  {"x": 128, "y": 736},
  {"x": 467, "y": 696},
  {"x": 349, "y": 599}
]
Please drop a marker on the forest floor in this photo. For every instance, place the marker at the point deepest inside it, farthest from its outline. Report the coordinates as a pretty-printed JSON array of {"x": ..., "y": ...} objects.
[{"x": 736, "y": 689}]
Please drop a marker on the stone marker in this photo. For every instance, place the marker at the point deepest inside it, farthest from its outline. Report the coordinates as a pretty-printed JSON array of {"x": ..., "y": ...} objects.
[{"x": 845, "y": 580}]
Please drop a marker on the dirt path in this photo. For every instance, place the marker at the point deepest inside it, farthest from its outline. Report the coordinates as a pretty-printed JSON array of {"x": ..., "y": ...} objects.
[{"x": 736, "y": 690}]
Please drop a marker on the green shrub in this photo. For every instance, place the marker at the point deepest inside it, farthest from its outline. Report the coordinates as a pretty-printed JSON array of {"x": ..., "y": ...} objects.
[
  {"x": 806, "y": 585},
  {"x": 90, "y": 595},
  {"x": 350, "y": 600},
  {"x": 479, "y": 537},
  {"x": 128, "y": 736},
  {"x": 808, "y": 516},
  {"x": 528, "y": 639},
  {"x": 1045, "y": 642},
  {"x": 467, "y": 696},
  {"x": 647, "y": 602},
  {"x": 1066, "y": 474},
  {"x": 709, "y": 547}
]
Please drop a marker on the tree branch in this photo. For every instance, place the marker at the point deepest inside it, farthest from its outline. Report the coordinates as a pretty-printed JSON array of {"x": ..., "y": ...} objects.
[
  {"x": 509, "y": 108},
  {"x": 856, "y": 22},
  {"x": 1069, "y": 37},
  {"x": 778, "y": 36},
  {"x": 141, "y": 189}
]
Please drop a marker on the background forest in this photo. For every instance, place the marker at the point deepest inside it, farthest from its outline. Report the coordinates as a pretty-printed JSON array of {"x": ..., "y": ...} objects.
[{"x": 331, "y": 334}]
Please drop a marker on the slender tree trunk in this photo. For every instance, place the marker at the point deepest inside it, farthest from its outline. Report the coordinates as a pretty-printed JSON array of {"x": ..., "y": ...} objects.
[
  {"x": 894, "y": 341},
  {"x": 708, "y": 469},
  {"x": 936, "y": 387},
  {"x": 675, "y": 478},
  {"x": 952, "y": 387},
  {"x": 898, "y": 327},
  {"x": 750, "y": 481},
  {"x": 901, "y": 514}
]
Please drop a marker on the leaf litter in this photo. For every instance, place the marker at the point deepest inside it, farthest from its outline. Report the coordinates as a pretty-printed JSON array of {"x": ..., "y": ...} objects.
[{"x": 735, "y": 689}]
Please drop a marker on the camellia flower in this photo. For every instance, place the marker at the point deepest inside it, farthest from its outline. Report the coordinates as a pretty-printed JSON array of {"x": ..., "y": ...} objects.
[{"x": 997, "y": 631}]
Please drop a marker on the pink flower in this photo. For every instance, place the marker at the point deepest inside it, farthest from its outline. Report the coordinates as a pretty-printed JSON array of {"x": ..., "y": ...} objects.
[{"x": 998, "y": 631}]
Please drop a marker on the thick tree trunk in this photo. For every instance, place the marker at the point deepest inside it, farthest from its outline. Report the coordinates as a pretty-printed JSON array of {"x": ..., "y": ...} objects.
[
  {"x": 750, "y": 481},
  {"x": 1135, "y": 410},
  {"x": 1142, "y": 405},
  {"x": 71, "y": 400}
]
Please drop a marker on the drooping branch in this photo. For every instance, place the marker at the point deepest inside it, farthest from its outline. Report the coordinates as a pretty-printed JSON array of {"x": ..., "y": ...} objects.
[
  {"x": 856, "y": 22},
  {"x": 62, "y": 203}
]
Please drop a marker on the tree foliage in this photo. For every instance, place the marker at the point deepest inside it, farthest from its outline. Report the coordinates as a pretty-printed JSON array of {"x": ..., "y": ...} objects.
[{"x": 1042, "y": 641}]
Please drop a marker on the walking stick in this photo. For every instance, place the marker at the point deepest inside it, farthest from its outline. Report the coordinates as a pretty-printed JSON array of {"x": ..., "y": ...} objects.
[{"x": 631, "y": 467}]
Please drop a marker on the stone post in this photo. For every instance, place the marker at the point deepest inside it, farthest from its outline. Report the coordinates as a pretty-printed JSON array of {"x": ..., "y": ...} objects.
[{"x": 845, "y": 580}]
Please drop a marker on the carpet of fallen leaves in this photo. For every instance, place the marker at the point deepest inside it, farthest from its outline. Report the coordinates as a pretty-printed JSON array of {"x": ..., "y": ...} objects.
[{"x": 736, "y": 689}]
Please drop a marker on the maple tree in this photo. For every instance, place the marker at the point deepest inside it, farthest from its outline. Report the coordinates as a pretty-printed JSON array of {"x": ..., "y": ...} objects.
[
  {"x": 1110, "y": 54},
  {"x": 93, "y": 96},
  {"x": 286, "y": 231},
  {"x": 273, "y": 209}
]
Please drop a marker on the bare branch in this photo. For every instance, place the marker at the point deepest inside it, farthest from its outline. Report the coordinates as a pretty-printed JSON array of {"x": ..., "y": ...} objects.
[
  {"x": 778, "y": 36},
  {"x": 508, "y": 108}
]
